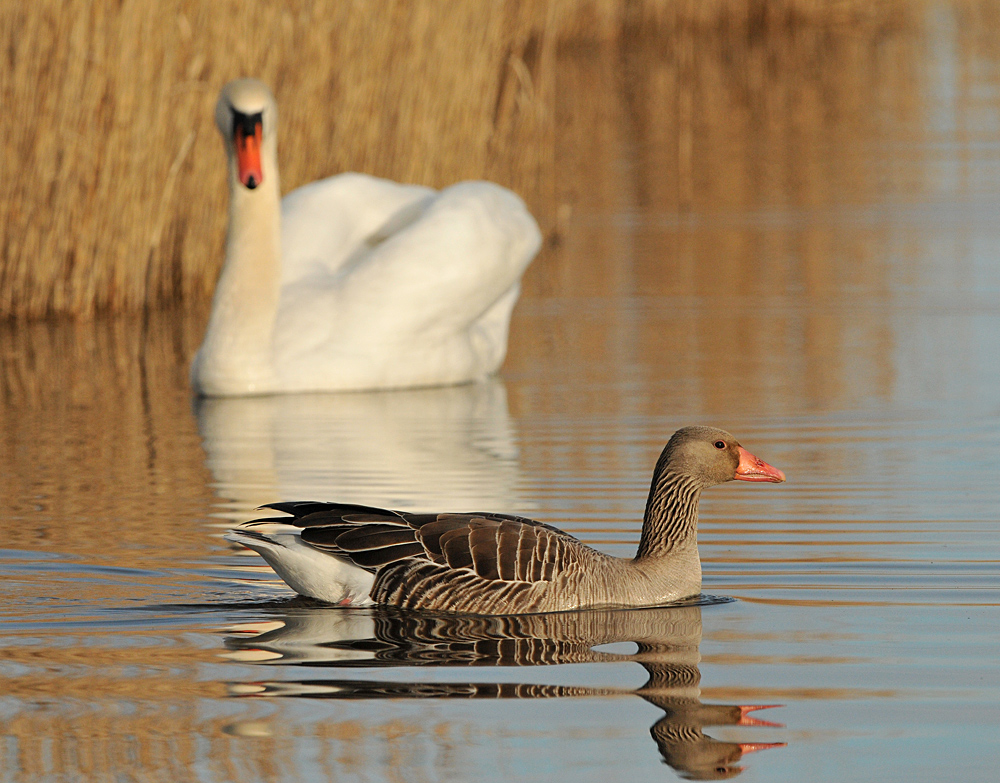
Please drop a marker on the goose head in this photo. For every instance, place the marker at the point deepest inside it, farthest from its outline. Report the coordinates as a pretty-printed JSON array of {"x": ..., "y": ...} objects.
[
  {"x": 247, "y": 117},
  {"x": 713, "y": 456}
]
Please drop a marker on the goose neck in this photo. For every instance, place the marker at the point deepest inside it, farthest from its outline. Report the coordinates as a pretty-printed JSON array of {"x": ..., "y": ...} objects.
[{"x": 671, "y": 519}]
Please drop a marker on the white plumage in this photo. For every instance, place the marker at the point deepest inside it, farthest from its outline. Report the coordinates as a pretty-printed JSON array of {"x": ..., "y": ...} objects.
[
  {"x": 354, "y": 282},
  {"x": 307, "y": 570}
]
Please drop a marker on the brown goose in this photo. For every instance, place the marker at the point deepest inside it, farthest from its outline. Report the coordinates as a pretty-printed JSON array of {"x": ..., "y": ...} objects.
[{"x": 497, "y": 563}]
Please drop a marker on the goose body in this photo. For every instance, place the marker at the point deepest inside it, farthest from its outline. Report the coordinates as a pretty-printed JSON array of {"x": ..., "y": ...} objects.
[
  {"x": 354, "y": 282},
  {"x": 489, "y": 563}
]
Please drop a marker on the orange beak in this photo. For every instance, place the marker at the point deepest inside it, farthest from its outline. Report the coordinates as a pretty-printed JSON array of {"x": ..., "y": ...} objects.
[
  {"x": 746, "y": 719},
  {"x": 753, "y": 469},
  {"x": 248, "y": 155},
  {"x": 753, "y": 747}
]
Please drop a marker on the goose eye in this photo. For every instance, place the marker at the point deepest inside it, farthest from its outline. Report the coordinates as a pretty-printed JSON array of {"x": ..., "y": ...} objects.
[{"x": 720, "y": 444}]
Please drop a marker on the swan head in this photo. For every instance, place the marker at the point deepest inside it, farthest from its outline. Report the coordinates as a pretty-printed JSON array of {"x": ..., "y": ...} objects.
[{"x": 247, "y": 117}]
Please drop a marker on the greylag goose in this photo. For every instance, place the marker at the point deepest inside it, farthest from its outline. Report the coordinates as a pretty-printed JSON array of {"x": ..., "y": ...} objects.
[
  {"x": 354, "y": 282},
  {"x": 489, "y": 563}
]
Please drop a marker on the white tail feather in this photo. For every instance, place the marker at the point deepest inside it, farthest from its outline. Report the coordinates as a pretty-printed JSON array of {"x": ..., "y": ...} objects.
[{"x": 307, "y": 570}]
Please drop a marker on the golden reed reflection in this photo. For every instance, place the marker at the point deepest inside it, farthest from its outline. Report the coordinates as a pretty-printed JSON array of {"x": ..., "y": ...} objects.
[
  {"x": 176, "y": 740},
  {"x": 692, "y": 164},
  {"x": 99, "y": 444},
  {"x": 667, "y": 642}
]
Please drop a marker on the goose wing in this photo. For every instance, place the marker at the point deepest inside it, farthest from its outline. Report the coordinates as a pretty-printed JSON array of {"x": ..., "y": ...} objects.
[{"x": 491, "y": 546}]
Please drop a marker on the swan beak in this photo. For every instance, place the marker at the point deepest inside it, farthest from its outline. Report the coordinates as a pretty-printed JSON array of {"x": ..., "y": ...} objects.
[
  {"x": 753, "y": 469},
  {"x": 247, "y": 132}
]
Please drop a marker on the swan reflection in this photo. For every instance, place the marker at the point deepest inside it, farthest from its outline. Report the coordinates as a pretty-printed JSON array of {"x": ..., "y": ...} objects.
[
  {"x": 417, "y": 449},
  {"x": 667, "y": 640}
]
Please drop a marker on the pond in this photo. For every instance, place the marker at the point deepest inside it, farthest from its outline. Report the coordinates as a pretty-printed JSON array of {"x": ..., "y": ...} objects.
[{"x": 832, "y": 299}]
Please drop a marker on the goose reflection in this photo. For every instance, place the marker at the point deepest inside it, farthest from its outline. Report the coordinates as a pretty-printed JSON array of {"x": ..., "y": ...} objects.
[
  {"x": 667, "y": 640},
  {"x": 421, "y": 448}
]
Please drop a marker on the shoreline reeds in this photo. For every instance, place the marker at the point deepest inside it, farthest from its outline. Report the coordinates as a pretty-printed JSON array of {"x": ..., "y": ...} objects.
[{"x": 113, "y": 197}]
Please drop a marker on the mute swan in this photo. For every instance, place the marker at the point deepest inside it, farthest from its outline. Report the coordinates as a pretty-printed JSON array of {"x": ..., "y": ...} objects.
[
  {"x": 354, "y": 282},
  {"x": 497, "y": 563}
]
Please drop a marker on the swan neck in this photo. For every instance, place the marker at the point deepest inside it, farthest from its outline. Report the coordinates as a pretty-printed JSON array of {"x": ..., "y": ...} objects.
[
  {"x": 253, "y": 240},
  {"x": 238, "y": 339}
]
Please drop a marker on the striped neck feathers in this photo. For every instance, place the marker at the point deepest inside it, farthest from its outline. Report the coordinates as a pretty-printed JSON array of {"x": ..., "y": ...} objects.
[{"x": 671, "y": 518}]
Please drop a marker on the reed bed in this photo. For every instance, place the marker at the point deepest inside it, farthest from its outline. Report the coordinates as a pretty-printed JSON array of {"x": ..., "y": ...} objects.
[
  {"x": 114, "y": 192},
  {"x": 113, "y": 197}
]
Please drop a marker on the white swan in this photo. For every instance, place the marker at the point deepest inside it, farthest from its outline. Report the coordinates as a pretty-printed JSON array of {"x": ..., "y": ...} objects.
[{"x": 354, "y": 282}]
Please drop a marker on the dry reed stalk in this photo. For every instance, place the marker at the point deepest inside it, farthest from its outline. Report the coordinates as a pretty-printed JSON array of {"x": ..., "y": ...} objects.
[
  {"x": 113, "y": 195},
  {"x": 113, "y": 192}
]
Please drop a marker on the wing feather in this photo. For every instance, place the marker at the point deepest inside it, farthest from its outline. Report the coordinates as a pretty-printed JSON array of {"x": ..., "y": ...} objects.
[
  {"x": 431, "y": 532},
  {"x": 508, "y": 541},
  {"x": 455, "y": 548},
  {"x": 437, "y": 560},
  {"x": 301, "y": 509},
  {"x": 375, "y": 536},
  {"x": 325, "y": 537},
  {"x": 373, "y": 558},
  {"x": 484, "y": 549},
  {"x": 527, "y": 540}
]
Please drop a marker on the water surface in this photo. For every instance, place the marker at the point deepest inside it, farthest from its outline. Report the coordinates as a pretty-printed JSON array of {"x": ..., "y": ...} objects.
[{"x": 806, "y": 257}]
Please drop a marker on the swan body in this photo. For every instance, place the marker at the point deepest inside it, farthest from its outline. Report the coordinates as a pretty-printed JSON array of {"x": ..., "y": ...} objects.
[
  {"x": 354, "y": 282},
  {"x": 489, "y": 563}
]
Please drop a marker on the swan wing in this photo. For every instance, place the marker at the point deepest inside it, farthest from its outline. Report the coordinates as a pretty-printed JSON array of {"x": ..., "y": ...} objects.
[
  {"x": 422, "y": 298},
  {"x": 325, "y": 223},
  {"x": 444, "y": 270}
]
